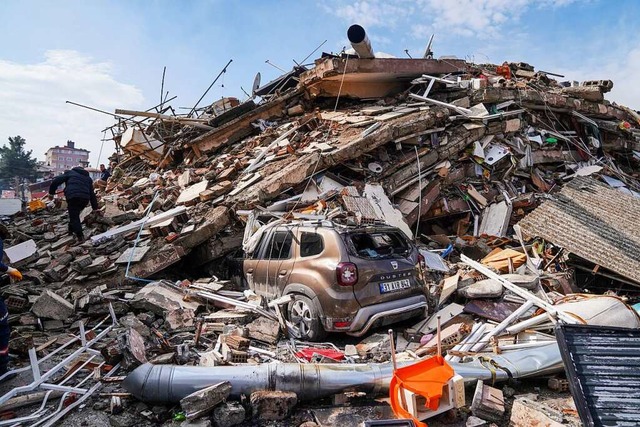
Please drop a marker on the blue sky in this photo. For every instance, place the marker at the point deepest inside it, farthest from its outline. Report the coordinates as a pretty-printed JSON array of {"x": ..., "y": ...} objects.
[{"x": 110, "y": 54}]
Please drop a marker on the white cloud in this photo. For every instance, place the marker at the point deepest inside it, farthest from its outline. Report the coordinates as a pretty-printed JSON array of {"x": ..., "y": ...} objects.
[
  {"x": 623, "y": 73},
  {"x": 32, "y": 101},
  {"x": 467, "y": 18},
  {"x": 373, "y": 13}
]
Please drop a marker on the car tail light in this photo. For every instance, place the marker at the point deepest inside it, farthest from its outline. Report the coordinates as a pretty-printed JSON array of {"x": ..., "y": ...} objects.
[
  {"x": 341, "y": 325},
  {"x": 347, "y": 273}
]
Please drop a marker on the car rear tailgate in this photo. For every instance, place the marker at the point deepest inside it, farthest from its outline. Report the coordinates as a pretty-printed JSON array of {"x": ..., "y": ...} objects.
[{"x": 384, "y": 275}]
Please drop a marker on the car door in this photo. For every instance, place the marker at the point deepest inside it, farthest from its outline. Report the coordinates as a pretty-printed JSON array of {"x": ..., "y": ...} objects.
[
  {"x": 255, "y": 266},
  {"x": 280, "y": 259}
]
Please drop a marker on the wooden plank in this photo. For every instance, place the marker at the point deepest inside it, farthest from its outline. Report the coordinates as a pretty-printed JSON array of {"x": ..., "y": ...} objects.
[{"x": 477, "y": 196}]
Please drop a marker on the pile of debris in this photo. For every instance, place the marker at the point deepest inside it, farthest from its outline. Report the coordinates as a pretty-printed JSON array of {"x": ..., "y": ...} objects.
[{"x": 520, "y": 191}]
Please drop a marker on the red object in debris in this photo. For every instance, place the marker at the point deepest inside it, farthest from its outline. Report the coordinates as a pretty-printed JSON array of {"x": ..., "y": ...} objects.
[
  {"x": 69, "y": 400},
  {"x": 504, "y": 71},
  {"x": 7, "y": 415},
  {"x": 624, "y": 125},
  {"x": 307, "y": 353}
]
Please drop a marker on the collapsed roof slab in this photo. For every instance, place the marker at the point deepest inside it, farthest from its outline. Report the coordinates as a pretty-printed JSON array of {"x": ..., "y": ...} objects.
[
  {"x": 595, "y": 222},
  {"x": 287, "y": 173},
  {"x": 239, "y": 128},
  {"x": 556, "y": 102},
  {"x": 371, "y": 78}
]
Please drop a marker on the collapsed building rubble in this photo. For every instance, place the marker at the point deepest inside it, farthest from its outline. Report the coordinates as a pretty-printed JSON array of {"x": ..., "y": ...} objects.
[{"x": 520, "y": 191}]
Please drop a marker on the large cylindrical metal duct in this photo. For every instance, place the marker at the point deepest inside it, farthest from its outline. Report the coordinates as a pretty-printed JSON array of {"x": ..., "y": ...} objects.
[
  {"x": 169, "y": 383},
  {"x": 360, "y": 42}
]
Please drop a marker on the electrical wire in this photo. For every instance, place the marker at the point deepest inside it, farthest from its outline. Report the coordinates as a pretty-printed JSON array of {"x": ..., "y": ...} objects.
[{"x": 335, "y": 108}]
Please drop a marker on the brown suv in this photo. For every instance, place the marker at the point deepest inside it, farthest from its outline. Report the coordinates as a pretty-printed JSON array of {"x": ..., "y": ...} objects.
[{"x": 343, "y": 279}]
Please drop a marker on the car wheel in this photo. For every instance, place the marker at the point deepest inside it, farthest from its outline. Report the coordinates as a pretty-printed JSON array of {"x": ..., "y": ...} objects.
[{"x": 305, "y": 318}]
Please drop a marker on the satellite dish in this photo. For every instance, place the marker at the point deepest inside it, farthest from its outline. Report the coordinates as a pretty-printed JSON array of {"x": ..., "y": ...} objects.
[{"x": 256, "y": 84}]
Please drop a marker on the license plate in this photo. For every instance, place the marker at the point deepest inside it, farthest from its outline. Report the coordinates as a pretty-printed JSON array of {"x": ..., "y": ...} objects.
[{"x": 396, "y": 285}]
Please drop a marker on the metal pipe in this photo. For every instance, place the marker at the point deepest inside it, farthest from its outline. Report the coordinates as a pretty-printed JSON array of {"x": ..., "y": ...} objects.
[
  {"x": 525, "y": 324},
  {"x": 465, "y": 345},
  {"x": 360, "y": 42},
  {"x": 501, "y": 327},
  {"x": 169, "y": 384},
  {"x": 552, "y": 310},
  {"x": 164, "y": 384},
  {"x": 520, "y": 346}
]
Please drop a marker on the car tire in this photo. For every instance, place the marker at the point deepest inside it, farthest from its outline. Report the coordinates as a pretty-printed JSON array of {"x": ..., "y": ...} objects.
[{"x": 304, "y": 316}]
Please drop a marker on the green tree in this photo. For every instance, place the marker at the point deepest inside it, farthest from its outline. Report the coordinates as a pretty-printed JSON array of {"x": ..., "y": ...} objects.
[{"x": 16, "y": 165}]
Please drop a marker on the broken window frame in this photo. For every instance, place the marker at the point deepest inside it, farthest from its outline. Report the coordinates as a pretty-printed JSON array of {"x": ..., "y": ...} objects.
[
  {"x": 318, "y": 238},
  {"x": 268, "y": 250},
  {"x": 398, "y": 235}
]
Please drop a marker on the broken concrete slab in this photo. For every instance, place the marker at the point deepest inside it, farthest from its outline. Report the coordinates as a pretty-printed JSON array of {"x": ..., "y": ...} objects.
[
  {"x": 216, "y": 221},
  {"x": 527, "y": 413},
  {"x": 192, "y": 193},
  {"x": 160, "y": 299},
  {"x": 263, "y": 329},
  {"x": 68, "y": 240},
  {"x": 52, "y": 306},
  {"x": 196, "y": 423},
  {"x": 97, "y": 265},
  {"x": 488, "y": 402},
  {"x": 487, "y": 288},
  {"x": 179, "y": 319},
  {"x": 204, "y": 401},
  {"x": 133, "y": 255},
  {"x": 228, "y": 414},
  {"x": 272, "y": 405},
  {"x": 132, "y": 347},
  {"x": 179, "y": 210},
  {"x": 156, "y": 262},
  {"x": 22, "y": 252}
]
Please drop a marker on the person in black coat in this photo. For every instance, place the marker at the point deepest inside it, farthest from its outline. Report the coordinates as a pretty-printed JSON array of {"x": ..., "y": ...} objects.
[
  {"x": 79, "y": 193},
  {"x": 104, "y": 173}
]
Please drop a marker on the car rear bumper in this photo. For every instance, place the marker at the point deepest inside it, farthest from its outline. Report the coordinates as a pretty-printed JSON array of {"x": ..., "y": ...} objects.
[{"x": 386, "y": 313}]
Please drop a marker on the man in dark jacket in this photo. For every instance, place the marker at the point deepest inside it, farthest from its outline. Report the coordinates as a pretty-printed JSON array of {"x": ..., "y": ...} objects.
[
  {"x": 104, "y": 173},
  {"x": 79, "y": 192}
]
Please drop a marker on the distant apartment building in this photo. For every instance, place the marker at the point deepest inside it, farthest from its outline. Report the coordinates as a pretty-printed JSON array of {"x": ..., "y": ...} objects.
[{"x": 64, "y": 158}]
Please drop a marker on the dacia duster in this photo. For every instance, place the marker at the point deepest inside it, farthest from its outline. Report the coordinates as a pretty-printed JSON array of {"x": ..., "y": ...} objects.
[{"x": 342, "y": 279}]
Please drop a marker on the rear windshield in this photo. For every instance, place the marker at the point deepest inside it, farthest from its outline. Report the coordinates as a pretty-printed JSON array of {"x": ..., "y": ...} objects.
[{"x": 377, "y": 244}]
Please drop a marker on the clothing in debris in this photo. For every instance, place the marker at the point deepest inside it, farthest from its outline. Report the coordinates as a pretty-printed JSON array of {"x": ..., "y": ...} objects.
[{"x": 79, "y": 193}]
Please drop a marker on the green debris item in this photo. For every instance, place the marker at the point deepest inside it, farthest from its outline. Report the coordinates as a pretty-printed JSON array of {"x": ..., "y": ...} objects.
[
  {"x": 551, "y": 140},
  {"x": 179, "y": 416}
]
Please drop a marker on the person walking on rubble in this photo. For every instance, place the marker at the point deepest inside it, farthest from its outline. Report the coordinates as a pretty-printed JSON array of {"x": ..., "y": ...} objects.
[
  {"x": 5, "y": 330},
  {"x": 79, "y": 193}
]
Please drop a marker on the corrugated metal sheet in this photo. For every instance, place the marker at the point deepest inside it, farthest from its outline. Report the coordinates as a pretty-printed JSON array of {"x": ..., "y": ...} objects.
[
  {"x": 603, "y": 368},
  {"x": 595, "y": 222}
]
